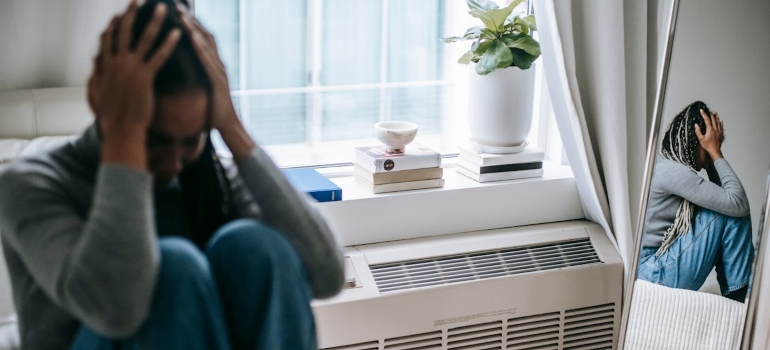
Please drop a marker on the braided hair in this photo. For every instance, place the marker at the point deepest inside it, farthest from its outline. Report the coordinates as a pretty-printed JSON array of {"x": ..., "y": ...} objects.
[{"x": 681, "y": 145}]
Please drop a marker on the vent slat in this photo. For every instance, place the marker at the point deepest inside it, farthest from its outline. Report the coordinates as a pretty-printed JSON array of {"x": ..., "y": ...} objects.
[
  {"x": 587, "y": 318},
  {"x": 422, "y": 273},
  {"x": 593, "y": 343},
  {"x": 491, "y": 333},
  {"x": 533, "y": 333},
  {"x": 417, "y": 344},
  {"x": 372, "y": 345},
  {"x": 412, "y": 338},
  {"x": 503, "y": 252},
  {"x": 551, "y": 343},
  {"x": 473, "y": 328},
  {"x": 590, "y": 310},
  {"x": 477, "y": 344}
]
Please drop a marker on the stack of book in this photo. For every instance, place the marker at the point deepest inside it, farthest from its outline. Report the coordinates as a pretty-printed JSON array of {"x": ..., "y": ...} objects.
[
  {"x": 379, "y": 171},
  {"x": 486, "y": 167}
]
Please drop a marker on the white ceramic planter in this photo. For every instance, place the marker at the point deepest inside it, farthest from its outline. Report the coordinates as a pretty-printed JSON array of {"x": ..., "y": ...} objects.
[{"x": 500, "y": 106}]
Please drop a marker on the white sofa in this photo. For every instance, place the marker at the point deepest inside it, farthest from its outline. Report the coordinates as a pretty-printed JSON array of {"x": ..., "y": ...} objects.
[{"x": 32, "y": 121}]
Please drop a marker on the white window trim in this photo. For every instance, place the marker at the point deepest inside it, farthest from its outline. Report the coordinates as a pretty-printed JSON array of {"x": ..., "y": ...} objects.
[{"x": 462, "y": 205}]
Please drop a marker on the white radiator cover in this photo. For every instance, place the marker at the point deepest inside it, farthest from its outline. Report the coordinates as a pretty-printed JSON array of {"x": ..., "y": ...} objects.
[{"x": 493, "y": 306}]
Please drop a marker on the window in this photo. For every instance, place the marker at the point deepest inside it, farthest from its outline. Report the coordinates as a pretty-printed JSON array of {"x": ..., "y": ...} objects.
[{"x": 309, "y": 78}]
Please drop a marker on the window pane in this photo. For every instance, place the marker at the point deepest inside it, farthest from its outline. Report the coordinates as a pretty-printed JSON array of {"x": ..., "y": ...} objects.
[
  {"x": 221, "y": 18},
  {"x": 351, "y": 42},
  {"x": 415, "y": 50},
  {"x": 350, "y": 114},
  {"x": 275, "y": 119},
  {"x": 275, "y": 43},
  {"x": 420, "y": 105}
]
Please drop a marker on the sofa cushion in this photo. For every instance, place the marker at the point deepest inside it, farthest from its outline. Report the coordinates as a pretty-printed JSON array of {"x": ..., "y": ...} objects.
[
  {"x": 10, "y": 149},
  {"x": 9, "y": 335}
]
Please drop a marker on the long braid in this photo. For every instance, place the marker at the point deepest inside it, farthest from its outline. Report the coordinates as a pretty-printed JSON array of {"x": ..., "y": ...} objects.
[{"x": 681, "y": 145}]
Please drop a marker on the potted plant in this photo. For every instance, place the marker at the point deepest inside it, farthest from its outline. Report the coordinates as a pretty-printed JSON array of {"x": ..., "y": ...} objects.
[{"x": 501, "y": 83}]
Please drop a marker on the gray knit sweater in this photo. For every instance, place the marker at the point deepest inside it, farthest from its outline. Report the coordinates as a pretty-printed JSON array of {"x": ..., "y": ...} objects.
[
  {"x": 672, "y": 181},
  {"x": 81, "y": 244}
]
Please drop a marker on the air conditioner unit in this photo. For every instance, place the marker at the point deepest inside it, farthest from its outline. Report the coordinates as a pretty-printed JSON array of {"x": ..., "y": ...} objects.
[{"x": 551, "y": 286}]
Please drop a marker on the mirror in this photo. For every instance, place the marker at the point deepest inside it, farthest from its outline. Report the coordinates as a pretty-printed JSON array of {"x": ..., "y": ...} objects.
[{"x": 702, "y": 198}]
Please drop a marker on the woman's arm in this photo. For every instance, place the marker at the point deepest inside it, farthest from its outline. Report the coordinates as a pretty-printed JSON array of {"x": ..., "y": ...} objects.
[
  {"x": 101, "y": 268},
  {"x": 281, "y": 205},
  {"x": 729, "y": 199}
]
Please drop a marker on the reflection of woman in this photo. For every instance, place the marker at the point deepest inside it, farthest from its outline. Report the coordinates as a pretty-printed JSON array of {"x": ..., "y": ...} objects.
[
  {"x": 135, "y": 235},
  {"x": 693, "y": 225}
]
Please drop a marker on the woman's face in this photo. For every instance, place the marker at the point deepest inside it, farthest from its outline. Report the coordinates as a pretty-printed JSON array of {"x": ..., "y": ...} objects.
[
  {"x": 177, "y": 135},
  {"x": 704, "y": 161}
]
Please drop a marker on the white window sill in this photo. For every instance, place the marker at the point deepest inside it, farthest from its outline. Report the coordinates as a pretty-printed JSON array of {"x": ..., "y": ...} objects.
[{"x": 462, "y": 205}]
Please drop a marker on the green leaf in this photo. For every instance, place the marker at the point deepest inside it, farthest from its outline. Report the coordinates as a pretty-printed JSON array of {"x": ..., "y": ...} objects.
[
  {"x": 522, "y": 59},
  {"x": 530, "y": 20},
  {"x": 486, "y": 33},
  {"x": 466, "y": 58},
  {"x": 523, "y": 42},
  {"x": 498, "y": 16},
  {"x": 521, "y": 25},
  {"x": 479, "y": 47},
  {"x": 498, "y": 55},
  {"x": 484, "y": 5},
  {"x": 453, "y": 39},
  {"x": 473, "y": 33},
  {"x": 484, "y": 16}
]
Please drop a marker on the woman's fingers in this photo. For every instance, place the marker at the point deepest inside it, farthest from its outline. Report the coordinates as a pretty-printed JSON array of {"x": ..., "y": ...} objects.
[
  {"x": 165, "y": 49},
  {"x": 151, "y": 32},
  {"x": 126, "y": 26},
  {"x": 698, "y": 133},
  {"x": 108, "y": 37},
  {"x": 706, "y": 119}
]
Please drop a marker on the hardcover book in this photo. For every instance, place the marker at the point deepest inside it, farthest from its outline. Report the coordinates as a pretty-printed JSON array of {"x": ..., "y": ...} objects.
[
  {"x": 498, "y": 168},
  {"x": 400, "y": 186},
  {"x": 509, "y": 175},
  {"x": 398, "y": 176},
  {"x": 528, "y": 155},
  {"x": 314, "y": 183},
  {"x": 376, "y": 159}
]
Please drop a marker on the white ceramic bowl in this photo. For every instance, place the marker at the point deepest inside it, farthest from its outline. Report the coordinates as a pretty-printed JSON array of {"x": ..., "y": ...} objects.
[{"x": 395, "y": 134}]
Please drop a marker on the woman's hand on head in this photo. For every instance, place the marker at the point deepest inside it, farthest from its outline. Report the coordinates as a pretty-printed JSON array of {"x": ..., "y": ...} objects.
[
  {"x": 223, "y": 111},
  {"x": 120, "y": 89},
  {"x": 711, "y": 139},
  {"x": 224, "y": 118}
]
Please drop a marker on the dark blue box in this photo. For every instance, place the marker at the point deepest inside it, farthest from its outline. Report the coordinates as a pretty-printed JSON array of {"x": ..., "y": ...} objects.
[{"x": 313, "y": 183}]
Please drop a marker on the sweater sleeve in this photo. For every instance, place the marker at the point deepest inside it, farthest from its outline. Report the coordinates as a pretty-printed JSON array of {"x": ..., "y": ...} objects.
[
  {"x": 729, "y": 199},
  {"x": 289, "y": 211},
  {"x": 102, "y": 269}
]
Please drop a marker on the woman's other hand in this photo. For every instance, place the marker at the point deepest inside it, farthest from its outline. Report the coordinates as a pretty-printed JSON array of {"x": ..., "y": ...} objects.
[
  {"x": 224, "y": 118},
  {"x": 711, "y": 139},
  {"x": 120, "y": 89}
]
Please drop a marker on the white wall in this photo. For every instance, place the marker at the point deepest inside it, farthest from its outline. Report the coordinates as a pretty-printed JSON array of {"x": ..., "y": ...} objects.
[
  {"x": 720, "y": 56},
  {"x": 46, "y": 43}
]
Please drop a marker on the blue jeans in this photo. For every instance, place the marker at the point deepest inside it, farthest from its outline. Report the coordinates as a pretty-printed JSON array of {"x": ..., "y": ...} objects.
[
  {"x": 248, "y": 291},
  {"x": 713, "y": 241}
]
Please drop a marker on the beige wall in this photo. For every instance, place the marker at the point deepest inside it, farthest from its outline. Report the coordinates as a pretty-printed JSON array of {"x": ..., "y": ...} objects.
[
  {"x": 720, "y": 56},
  {"x": 45, "y": 43}
]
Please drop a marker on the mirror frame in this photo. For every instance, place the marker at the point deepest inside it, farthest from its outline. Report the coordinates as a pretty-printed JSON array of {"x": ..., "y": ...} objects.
[
  {"x": 651, "y": 147},
  {"x": 756, "y": 275}
]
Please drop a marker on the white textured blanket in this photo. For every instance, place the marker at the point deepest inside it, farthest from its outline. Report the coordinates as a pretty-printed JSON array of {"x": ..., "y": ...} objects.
[{"x": 667, "y": 318}]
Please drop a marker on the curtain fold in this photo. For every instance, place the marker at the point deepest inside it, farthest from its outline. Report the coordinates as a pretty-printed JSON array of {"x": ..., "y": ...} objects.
[{"x": 595, "y": 56}]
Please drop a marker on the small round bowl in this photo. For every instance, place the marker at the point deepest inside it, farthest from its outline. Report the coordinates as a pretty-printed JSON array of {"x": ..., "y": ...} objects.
[{"x": 395, "y": 134}]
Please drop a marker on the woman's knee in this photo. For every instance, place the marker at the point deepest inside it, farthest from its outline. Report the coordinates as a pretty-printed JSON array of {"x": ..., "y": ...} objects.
[
  {"x": 180, "y": 260},
  {"x": 248, "y": 240}
]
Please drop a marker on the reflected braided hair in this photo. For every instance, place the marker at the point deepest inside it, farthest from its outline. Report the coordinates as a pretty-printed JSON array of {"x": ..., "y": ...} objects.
[{"x": 681, "y": 145}]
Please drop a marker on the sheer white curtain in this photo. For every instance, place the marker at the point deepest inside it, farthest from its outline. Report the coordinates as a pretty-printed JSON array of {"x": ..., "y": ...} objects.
[{"x": 600, "y": 60}]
